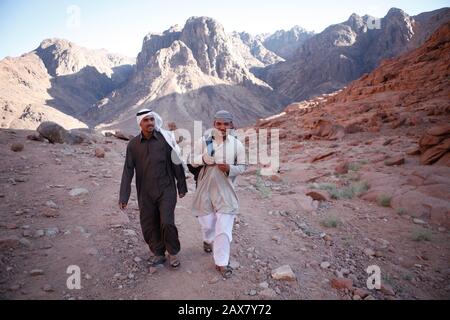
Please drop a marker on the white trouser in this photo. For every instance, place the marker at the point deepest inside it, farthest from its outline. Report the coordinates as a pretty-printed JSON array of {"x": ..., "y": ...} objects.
[{"x": 217, "y": 229}]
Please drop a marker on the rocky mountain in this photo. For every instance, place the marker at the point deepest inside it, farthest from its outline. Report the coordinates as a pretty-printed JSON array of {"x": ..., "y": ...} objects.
[
  {"x": 285, "y": 43},
  {"x": 251, "y": 47},
  {"x": 187, "y": 74},
  {"x": 391, "y": 126},
  {"x": 58, "y": 81},
  {"x": 343, "y": 52}
]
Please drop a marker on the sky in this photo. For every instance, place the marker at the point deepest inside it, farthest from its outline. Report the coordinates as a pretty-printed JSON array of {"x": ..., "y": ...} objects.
[{"x": 120, "y": 26}]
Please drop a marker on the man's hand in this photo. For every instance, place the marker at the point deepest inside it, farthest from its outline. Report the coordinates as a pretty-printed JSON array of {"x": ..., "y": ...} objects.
[
  {"x": 122, "y": 206},
  {"x": 225, "y": 168},
  {"x": 208, "y": 159},
  {"x": 181, "y": 195}
]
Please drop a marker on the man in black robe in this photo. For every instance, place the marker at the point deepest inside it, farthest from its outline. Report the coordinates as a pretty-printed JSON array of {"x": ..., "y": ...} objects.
[{"x": 154, "y": 155}]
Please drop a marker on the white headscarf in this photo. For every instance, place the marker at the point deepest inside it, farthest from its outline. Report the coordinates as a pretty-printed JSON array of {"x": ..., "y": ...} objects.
[
  {"x": 168, "y": 135},
  {"x": 144, "y": 113}
]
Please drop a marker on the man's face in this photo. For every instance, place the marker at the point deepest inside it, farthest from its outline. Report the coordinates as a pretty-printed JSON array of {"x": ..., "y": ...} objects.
[
  {"x": 148, "y": 124},
  {"x": 222, "y": 126}
]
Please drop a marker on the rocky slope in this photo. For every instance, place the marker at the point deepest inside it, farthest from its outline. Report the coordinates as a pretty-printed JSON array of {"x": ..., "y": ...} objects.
[
  {"x": 387, "y": 125},
  {"x": 186, "y": 74},
  {"x": 58, "y": 81},
  {"x": 285, "y": 43},
  {"x": 343, "y": 52}
]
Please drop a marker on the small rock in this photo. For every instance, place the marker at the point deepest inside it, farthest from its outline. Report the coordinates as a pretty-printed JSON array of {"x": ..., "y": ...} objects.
[
  {"x": 234, "y": 264},
  {"x": 318, "y": 195},
  {"x": 99, "y": 152},
  {"x": 284, "y": 273},
  {"x": 264, "y": 285},
  {"x": 27, "y": 233},
  {"x": 341, "y": 168},
  {"x": 369, "y": 252},
  {"x": 48, "y": 288},
  {"x": 252, "y": 293},
  {"x": 17, "y": 147},
  {"x": 268, "y": 293},
  {"x": 342, "y": 283},
  {"x": 213, "y": 280},
  {"x": 387, "y": 289},
  {"x": 418, "y": 221},
  {"x": 137, "y": 259},
  {"x": 25, "y": 242},
  {"x": 356, "y": 297},
  {"x": 130, "y": 232},
  {"x": 152, "y": 270},
  {"x": 361, "y": 292},
  {"x": 395, "y": 161},
  {"x": 325, "y": 265},
  {"x": 36, "y": 272},
  {"x": 369, "y": 297},
  {"x": 39, "y": 233},
  {"x": 51, "y": 232},
  {"x": 78, "y": 191},
  {"x": 51, "y": 204}
]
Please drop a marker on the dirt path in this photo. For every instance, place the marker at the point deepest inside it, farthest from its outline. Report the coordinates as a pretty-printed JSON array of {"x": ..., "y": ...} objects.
[{"x": 274, "y": 229}]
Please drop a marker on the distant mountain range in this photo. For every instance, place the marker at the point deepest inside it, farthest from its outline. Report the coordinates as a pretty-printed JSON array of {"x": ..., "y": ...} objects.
[{"x": 189, "y": 72}]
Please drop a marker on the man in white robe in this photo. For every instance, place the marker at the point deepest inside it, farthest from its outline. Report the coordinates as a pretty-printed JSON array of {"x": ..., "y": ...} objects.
[{"x": 216, "y": 204}]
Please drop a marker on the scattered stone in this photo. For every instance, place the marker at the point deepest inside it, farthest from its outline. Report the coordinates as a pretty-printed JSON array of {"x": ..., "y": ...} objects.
[
  {"x": 27, "y": 233},
  {"x": 130, "y": 232},
  {"x": 99, "y": 152},
  {"x": 264, "y": 285},
  {"x": 36, "y": 272},
  {"x": 418, "y": 221},
  {"x": 48, "y": 288},
  {"x": 356, "y": 297},
  {"x": 9, "y": 242},
  {"x": 213, "y": 280},
  {"x": 137, "y": 259},
  {"x": 342, "y": 283},
  {"x": 39, "y": 233},
  {"x": 325, "y": 265},
  {"x": 51, "y": 204},
  {"x": 395, "y": 161},
  {"x": 369, "y": 252},
  {"x": 252, "y": 293},
  {"x": 54, "y": 133},
  {"x": 152, "y": 270},
  {"x": 387, "y": 289},
  {"x": 284, "y": 273},
  {"x": 361, "y": 292},
  {"x": 17, "y": 147},
  {"x": 51, "y": 232},
  {"x": 25, "y": 242},
  {"x": 318, "y": 195},
  {"x": 268, "y": 293},
  {"x": 234, "y": 264},
  {"x": 341, "y": 168},
  {"x": 78, "y": 191}
]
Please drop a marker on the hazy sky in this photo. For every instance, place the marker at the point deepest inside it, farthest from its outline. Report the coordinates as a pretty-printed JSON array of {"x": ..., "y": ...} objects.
[{"x": 120, "y": 26}]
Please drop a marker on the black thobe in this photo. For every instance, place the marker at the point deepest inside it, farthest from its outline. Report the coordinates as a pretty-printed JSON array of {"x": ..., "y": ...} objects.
[{"x": 156, "y": 190}]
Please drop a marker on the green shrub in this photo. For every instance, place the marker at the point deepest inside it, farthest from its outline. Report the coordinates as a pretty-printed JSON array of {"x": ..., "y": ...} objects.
[{"x": 384, "y": 200}]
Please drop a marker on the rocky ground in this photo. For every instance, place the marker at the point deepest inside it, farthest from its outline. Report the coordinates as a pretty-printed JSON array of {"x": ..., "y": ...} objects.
[{"x": 59, "y": 208}]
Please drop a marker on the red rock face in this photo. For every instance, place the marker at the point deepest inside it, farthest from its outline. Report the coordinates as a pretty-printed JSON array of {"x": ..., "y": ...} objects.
[
  {"x": 412, "y": 90},
  {"x": 396, "y": 119}
]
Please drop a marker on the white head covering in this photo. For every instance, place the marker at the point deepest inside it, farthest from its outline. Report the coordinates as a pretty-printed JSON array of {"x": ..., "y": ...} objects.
[
  {"x": 144, "y": 113},
  {"x": 169, "y": 136}
]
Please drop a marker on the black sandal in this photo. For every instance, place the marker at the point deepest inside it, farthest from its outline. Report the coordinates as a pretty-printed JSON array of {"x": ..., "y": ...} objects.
[
  {"x": 225, "y": 271},
  {"x": 207, "y": 247}
]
